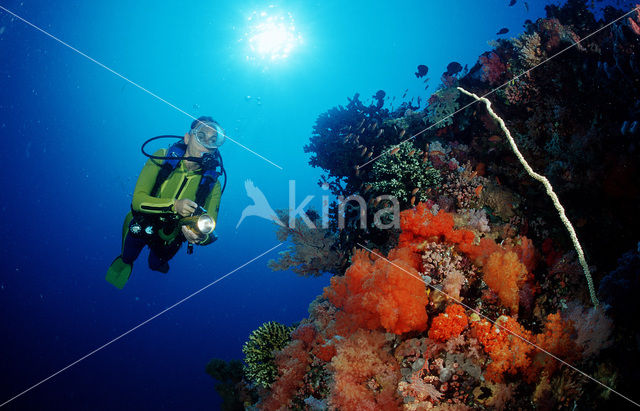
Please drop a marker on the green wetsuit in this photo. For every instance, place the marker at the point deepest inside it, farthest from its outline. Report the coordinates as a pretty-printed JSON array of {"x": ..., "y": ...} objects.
[{"x": 181, "y": 184}]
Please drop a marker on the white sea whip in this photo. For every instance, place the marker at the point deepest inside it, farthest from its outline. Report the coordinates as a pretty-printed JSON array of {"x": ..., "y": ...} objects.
[{"x": 550, "y": 193}]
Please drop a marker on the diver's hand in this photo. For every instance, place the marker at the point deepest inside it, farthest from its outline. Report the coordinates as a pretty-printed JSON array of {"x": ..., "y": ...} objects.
[
  {"x": 185, "y": 207},
  {"x": 192, "y": 236}
]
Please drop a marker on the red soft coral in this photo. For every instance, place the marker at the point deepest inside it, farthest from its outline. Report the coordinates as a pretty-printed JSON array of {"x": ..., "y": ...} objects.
[
  {"x": 375, "y": 293},
  {"x": 365, "y": 374},
  {"x": 448, "y": 324}
]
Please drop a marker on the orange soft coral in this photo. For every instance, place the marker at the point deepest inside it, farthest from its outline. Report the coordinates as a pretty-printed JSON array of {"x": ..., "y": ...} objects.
[
  {"x": 448, "y": 324},
  {"x": 365, "y": 374},
  {"x": 509, "y": 353},
  {"x": 556, "y": 339},
  {"x": 419, "y": 225},
  {"x": 374, "y": 293},
  {"x": 505, "y": 274}
]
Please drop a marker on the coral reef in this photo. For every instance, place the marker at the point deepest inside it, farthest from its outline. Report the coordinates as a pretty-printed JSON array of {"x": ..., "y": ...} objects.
[{"x": 476, "y": 297}]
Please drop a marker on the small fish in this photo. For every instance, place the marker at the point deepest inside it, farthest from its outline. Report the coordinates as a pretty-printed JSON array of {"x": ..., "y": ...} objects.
[
  {"x": 361, "y": 123},
  {"x": 367, "y": 188},
  {"x": 363, "y": 152},
  {"x": 436, "y": 153},
  {"x": 370, "y": 154},
  {"x": 412, "y": 152},
  {"x": 425, "y": 159},
  {"x": 362, "y": 131},
  {"x": 503, "y": 30},
  {"x": 357, "y": 168},
  {"x": 495, "y": 139},
  {"x": 377, "y": 201},
  {"x": 454, "y": 68},
  {"x": 402, "y": 133},
  {"x": 394, "y": 151},
  {"x": 380, "y": 132},
  {"x": 526, "y": 6},
  {"x": 413, "y": 200},
  {"x": 512, "y": 2},
  {"x": 414, "y": 191},
  {"x": 422, "y": 71}
]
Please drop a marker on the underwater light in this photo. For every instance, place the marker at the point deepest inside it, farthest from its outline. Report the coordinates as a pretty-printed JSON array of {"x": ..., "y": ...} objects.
[
  {"x": 202, "y": 223},
  {"x": 271, "y": 35}
]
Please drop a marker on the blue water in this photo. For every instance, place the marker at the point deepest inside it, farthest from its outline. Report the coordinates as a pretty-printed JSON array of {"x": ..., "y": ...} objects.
[{"x": 71, "y": 133}]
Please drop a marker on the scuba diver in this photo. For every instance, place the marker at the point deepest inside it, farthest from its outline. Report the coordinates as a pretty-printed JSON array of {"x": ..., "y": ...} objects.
[{"x": 176, "y": 199}]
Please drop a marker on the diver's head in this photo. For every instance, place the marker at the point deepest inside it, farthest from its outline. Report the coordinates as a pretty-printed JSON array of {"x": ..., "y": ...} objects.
[{"x": 205, "y": 135}]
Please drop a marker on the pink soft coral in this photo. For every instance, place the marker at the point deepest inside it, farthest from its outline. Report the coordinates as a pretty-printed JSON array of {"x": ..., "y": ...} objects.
[
  {"x": 365, "y": 374},
  {"x": 292, "y": 362},
  {"x": 493, "y": 69}
]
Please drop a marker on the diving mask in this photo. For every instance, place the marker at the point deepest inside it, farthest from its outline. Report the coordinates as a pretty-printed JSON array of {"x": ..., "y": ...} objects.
[{"x": 209, "y": 134}]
